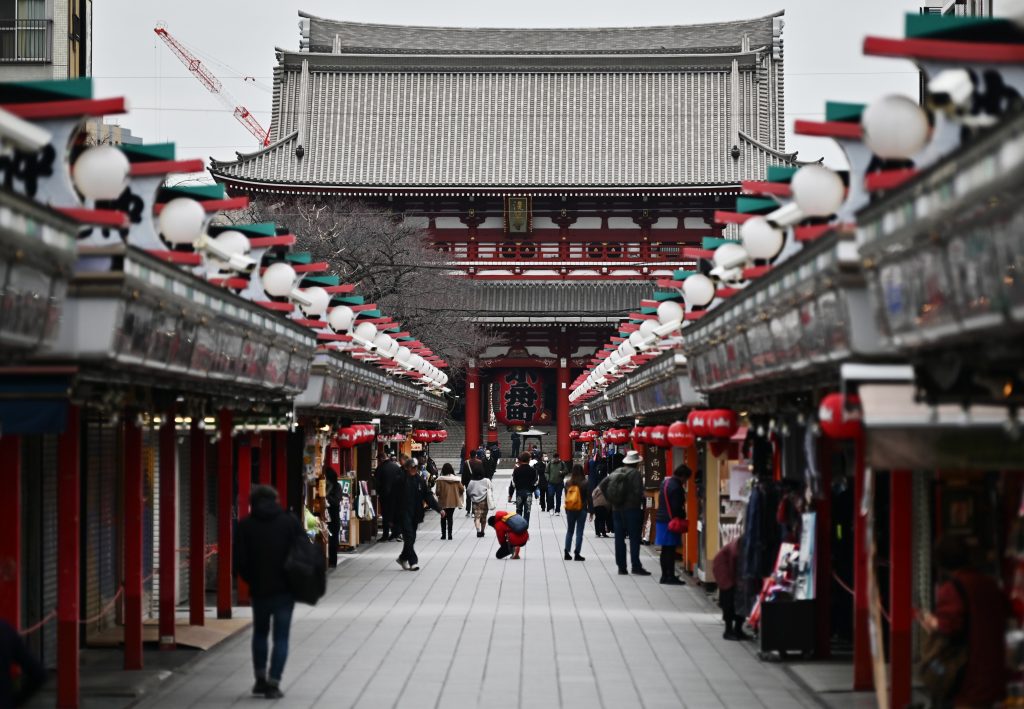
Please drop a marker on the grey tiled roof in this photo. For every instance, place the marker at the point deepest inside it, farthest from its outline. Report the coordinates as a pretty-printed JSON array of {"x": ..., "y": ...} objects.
[
  {"x": 375, "y": 38},
  {"x": 613, "y": 299},
  {"x": 511, "y": 129}
]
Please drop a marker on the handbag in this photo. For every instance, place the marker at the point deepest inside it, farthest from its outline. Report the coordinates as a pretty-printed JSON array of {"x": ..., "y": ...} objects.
[
  {"x": 305, "y": 571},
  {"x": 676, "y": 525},
  {"x": 490, "y": 496}
]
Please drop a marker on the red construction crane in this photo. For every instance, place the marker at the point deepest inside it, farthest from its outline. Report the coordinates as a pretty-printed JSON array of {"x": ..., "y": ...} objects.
[{"x": 213, "y": 85}]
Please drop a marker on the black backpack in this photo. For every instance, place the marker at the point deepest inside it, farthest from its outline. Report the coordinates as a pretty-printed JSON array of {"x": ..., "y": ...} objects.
[{"x": 307, "y": 574}]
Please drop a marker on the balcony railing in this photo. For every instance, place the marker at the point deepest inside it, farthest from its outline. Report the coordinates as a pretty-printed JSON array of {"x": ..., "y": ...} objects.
[{"x": 26, "y": 41}]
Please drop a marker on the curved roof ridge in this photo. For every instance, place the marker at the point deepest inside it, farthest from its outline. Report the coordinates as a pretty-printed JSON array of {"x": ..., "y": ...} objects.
[{"x": 243, "y": 157}]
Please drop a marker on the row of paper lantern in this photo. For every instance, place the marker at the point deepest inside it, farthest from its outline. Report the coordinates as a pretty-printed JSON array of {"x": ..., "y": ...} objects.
[
  {"x": 352, "y": 436},
  {"x": 429, "y": 436}
]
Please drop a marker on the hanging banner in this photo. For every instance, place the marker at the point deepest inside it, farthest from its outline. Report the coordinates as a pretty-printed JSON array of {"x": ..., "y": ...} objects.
[{"x": 521, "y": 397}]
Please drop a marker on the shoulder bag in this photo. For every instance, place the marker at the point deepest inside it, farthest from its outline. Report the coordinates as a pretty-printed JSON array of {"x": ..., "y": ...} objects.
[
  {"x": 490, "y": 496},
  {"x": 676, "y": 525}
]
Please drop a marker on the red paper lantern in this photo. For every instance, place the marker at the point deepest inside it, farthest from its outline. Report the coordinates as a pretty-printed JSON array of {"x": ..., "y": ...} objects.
[
  {"x": 441, "y": 436},
  {"x": 593, "y": 435},
  {"x": 617, "y": 436},
  {"x": 680, "y": 436},
  {"x": 840, "y": 418},
  {"x": 699, "y": 423},
  {"x": 659, "y": 436},
  {"x": 346, "y": 437},
  {"x": 366, "y": 433},
  {"x": 635, "y": 434},
  {"x": 645, "y": 435},
  {"x": 722, "y": 423},
  {"x": 574, "y": 435}
]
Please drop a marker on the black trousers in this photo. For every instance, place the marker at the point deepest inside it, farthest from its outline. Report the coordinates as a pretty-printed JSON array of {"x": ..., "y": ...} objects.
[
  {"x": 408, "y": 543},
  {"x": 394, "y": 523},
  {"x": 727, "y": 600},
  {"x": 447, "y": 521},
  {"x": 602, "y": 520},
  {"x": 668, "y": 562},
  {"x": 333, "y": 528}
]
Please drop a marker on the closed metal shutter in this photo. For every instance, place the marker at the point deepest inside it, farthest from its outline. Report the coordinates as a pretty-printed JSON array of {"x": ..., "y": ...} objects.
[
  {"x": 184, "y": 514},
  {"x": 211, "y": 512},
  {"x": 101, "y": 545},
  {"x": 39, "y": 543},
  {"x": 150, "y": 522},
  {"x": 49, "y": 546}
]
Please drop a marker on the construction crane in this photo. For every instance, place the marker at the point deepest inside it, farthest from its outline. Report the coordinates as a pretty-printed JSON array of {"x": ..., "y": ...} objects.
[{"x": 213, "y": 85}]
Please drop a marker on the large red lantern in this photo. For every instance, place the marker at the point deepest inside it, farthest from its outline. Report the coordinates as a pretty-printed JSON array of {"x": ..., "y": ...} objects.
[
  {"x": 659, "y": 436},
  {"x": 366, "y": 433},
  {"x": 699, "y": 423},
  {"x": 617, "y": 436},
  {"x": 574, "y": 435},
  {"x": 441, "y": 436},
  {"x": 840, "y": 418},
  {"x": 645, "y": 434},
  {"x": 722, "y": 423},
  {"x": 346, "y": 437},
  {"x": 680, "y": 436},
  {"x": 635, "y": 434}
]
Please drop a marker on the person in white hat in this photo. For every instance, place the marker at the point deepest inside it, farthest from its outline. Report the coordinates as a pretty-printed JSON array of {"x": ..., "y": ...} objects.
[{"x": 624, "y": 489}]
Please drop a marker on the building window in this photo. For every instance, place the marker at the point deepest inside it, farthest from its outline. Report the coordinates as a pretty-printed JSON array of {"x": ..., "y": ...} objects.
[{"x": 25, "y": 32}]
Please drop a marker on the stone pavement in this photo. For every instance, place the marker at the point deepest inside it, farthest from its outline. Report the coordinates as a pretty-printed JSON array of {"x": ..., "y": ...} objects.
[{"x": 469, "y": 630}]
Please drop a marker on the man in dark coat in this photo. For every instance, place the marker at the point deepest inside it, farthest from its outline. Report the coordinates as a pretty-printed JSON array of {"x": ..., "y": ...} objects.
[
  {"x": 262, "y": 543},
  {"x": 414, "y": 493},
  {"x": 628, "y": 516},
  {"x": 524, "y": 479},
  {"x": 385, "y": 478},
  {"x": 334, "y": 510}
]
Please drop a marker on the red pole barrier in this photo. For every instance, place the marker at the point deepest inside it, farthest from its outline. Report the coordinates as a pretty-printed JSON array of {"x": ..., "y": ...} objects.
[
  {"x": 197, "y": 525},
  {"x": 562, "y": 411},
  {"x": 242, "y": 504},
  {"x": 281, "y": 466},
  {"x": 266, "y": 457},
  {"x": 863, "y": 678},
  {"x": 69, "y": 559},
  {"x": 472, "y": 410},
  {"x": 901, "y": 512}
]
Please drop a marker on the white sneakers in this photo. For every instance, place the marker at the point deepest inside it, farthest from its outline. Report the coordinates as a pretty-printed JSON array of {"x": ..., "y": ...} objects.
[{"x": 403, "y": 563}]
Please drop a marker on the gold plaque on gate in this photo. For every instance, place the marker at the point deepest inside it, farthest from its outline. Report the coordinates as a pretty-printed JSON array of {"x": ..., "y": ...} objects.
[{"x": 518, "y": 219}]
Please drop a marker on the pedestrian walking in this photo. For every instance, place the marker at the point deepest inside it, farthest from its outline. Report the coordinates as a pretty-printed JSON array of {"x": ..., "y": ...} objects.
[
  {"x": 541, "y": 492},
  {"x": 510, "y": 539},
  {"x": 556, "y": 472},
  {"x": 14, "y": 656},
  {"x": 481, "y": 496},
  {"x": 624, "y": 489},
  {"x": 517, "y": 442},
  {"x": 726, "y": 569},
  {"x": 334, "y": 515},
  {"x": 262, "y": 544},
  {"x": 598, "y": 505},
  {"x": 414, "y": 493},
  {"x": 449, "y": 496},
  {"x": 970, "y": 616},
  {"x": 577, "y": 502},
  {"x": 524, "y": 479},
  {"x": 386, "y": 479},
  {"x": 671, "y": 506},
  {"x": 490, "y": 464}
]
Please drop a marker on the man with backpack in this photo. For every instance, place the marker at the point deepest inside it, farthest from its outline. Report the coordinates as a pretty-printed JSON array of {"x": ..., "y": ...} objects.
[
  {"x": 556, "y": 471},
  {"x": 262, "y": 545},
  {"x": 624, "y": 490}
]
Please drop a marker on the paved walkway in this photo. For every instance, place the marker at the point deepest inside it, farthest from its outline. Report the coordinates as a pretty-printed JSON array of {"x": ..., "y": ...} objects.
[{"x": 468, "y": 630}]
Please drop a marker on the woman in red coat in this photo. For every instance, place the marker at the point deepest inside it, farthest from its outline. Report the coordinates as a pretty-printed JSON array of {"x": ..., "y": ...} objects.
[{"x": 510, "y": 541}]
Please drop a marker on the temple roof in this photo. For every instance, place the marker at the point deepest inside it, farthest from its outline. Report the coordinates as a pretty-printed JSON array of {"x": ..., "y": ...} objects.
[
  {"x": 327, "y": 35},
  {"x": 562, "y": 301},
  {"x": 401, "y": 118}
]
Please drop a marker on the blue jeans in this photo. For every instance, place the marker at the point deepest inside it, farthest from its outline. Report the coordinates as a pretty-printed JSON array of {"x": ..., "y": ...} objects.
[
  {"x": 279, "y": 607},
  {"x": 576, "y": 520},
  {"x": 628, "y": 522},
  {"x": 524, "y": 501},
  {"x": 555, "y": 497}
]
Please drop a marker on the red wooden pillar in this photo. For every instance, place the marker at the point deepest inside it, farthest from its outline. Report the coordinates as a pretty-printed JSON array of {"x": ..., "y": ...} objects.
[
  {"x": 69, "y": 558},
  {"x": 266, "y": 457},
  {"x": 134, "y": 508},
  {"x": 242, "y": 504},
  {"x": 692, "y": 509},
  {"x": 225, "y": 498},
  {"x": 281, "y": 466},
  {"x": 10, "y": 529},
  {"x": 863, "y": 678},
  {"x": 562, "y": 410},
  {"x": 823, "y": 551},
  {"x": 197, "y": 525},
  {"x": 472, "y": 408},
  {"x": 901, "y": 512},
  {"x": 168, "y": 531}
]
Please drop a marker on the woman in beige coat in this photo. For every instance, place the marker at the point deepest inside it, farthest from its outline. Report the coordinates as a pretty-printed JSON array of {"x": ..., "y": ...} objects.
[{"x": 449, "y": 491}]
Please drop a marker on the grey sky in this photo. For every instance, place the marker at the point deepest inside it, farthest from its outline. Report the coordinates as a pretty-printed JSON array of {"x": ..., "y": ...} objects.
[{"x": 823, "y": 41}]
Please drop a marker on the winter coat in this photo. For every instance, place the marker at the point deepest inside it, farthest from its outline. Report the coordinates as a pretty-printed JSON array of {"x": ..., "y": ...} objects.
[
  {"x": 503, "y": 532},
  {"x": 724, "y": 565},
  {"x": 556, "y": 473},
  {"x": 542, "y": 474},
  {"x": 477, "y": 490},
  {"x": 524, "y": 477},
  {"x": 635, "y": 498},
  {"x": 412, "y": 495},
  {"x": 262, "y": 543},
  {"x": 386, "y": 477},
  {"x": 449, "y": 492},
  {"x": 676, "y": 500}
]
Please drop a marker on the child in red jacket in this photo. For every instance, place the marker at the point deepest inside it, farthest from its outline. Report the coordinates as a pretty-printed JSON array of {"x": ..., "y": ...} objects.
[{"x": 510, "y": 541}]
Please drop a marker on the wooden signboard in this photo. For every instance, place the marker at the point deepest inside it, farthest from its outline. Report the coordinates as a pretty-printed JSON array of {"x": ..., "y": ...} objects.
[{"x": 654, "y": 467}]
